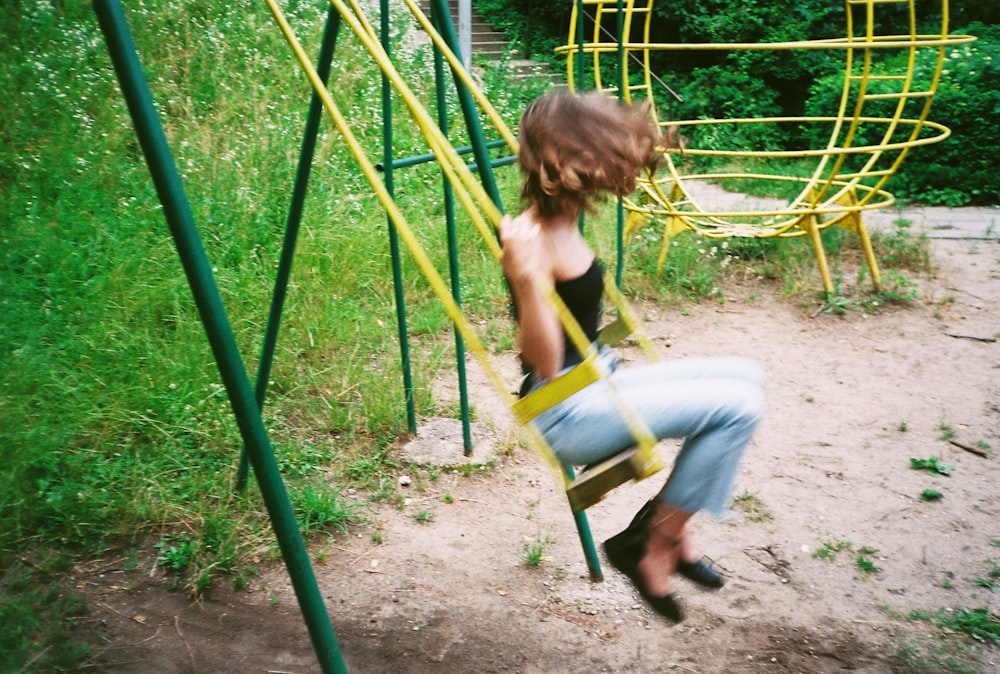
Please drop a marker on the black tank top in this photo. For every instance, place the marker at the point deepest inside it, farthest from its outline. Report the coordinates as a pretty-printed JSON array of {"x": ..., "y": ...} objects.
[{"x": 582, "y": 296}]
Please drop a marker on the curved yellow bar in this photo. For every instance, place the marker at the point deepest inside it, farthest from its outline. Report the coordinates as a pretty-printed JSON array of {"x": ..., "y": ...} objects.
[{"x": 849, "y": 175}]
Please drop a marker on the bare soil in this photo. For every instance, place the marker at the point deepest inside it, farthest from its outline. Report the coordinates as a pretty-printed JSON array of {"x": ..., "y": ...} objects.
[{"x": 851, "y": 399}]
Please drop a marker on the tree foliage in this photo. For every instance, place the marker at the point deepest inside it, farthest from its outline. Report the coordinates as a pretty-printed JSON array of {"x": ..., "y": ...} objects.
[{"x": 723, "y": 84}]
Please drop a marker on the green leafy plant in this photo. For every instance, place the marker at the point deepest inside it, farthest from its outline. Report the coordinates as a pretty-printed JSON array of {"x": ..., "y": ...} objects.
[
  {"x": 932, "y": 465},
  {"x": 830, "y": 550},
  {"x": 990, "y": 580},
  {"x": 930, "y": 495},
  {"x": 866, "y": 564},
  {"x": 176, "y": 553},
  {"x": 533, "y": 553}
]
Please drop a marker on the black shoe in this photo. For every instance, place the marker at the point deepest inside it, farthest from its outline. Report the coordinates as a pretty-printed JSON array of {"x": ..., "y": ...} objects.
[
  {"x": 702, "y": 573},
  {"x": 624, "y": 551}
]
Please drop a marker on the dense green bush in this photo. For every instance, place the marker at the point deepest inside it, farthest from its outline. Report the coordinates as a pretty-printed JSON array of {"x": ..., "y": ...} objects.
[{"x": 961, "y": 170}]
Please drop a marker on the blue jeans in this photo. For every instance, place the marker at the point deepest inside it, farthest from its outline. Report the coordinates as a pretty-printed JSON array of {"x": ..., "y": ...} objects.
[{"x": 714, "y": 404}]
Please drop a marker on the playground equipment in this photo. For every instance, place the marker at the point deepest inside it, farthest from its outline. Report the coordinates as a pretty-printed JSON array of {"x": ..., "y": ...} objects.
[
  {"x": 849, "y": 173},
  {"x": 480, "y": 201}
]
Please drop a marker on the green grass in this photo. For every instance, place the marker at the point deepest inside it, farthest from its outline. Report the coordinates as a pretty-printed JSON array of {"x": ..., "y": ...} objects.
[
  {"x": 114, "y": 428},
  {"x": 865, "y": 563},
  {"x": 423, "y": 516},
  {"x": 954, "y": 639},
  {"x": 829, "y": 550},
  {"x": 751, "y": 504},
  {"x": 698, "y": 268},
  {"x": 534, "y": 552},
  {"x": 957, "y": 638}
]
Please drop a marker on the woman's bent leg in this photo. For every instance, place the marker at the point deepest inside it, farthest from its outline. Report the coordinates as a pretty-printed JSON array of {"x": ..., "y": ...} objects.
[{"x": 713, "y": 403}]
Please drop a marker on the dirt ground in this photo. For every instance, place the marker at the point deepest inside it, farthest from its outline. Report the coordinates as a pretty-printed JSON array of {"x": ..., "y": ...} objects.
[{"x": 851, "y": 400}]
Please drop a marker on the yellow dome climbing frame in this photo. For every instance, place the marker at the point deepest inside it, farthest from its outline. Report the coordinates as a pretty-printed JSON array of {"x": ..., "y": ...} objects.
[
  {"x": 849, "y": 174},
  {"x": 589, "y": 487}
]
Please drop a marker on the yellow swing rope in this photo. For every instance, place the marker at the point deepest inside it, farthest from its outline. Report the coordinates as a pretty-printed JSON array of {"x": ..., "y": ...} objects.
[{"x": 461, "y": 178}]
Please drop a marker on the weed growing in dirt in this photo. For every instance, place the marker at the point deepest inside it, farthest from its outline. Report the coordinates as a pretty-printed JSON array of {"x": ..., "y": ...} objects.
[
  {"x": 319, "y": 506},
  {"x": 830, "y": 550},
  {"x": 947, "y": 432},
  {"x": 865, "y": 562},
  {"x": 899, "y": 248},
  {"x": 469, "y": 469},
  {"x": 176, "y": 554},
  {"x": 932, "y": 465},
  {"x": 957, "y": 635},
  {"x": 533, "y": 553},
  {"x": 930, "y": 495},
  {"x": 937, "y": 652},
  {"x": 423, "y": 516},
  {"x": 979, "y": 624},
  {"x": 992, "y": 577},
  {"x": 755, "y": 509}
]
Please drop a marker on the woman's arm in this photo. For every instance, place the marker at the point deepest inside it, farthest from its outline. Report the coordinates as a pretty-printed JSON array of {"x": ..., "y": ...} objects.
[{"x": 540, "y": 335}]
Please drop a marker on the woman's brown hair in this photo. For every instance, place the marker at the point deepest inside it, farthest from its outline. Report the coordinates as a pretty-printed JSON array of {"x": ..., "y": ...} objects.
[{"x": 576, "y": 149}]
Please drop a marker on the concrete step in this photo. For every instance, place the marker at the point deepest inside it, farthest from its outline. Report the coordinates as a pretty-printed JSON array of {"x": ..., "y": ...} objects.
[
  {"x": 525, "y": 69},
  {"x": 492, "y": 45}
]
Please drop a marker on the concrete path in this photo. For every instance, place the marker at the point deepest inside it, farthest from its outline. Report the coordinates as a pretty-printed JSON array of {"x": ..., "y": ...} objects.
[{"x": 939, "y": 222}]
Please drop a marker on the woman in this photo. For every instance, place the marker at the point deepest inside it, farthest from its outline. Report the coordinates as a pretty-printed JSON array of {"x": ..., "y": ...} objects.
[{"x": 574, "y": 150}]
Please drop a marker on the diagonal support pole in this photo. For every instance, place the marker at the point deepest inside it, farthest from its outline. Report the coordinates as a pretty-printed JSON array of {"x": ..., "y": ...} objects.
[
  {"x": 218, "y": 329},
  {"x": 295, "y": 210}
]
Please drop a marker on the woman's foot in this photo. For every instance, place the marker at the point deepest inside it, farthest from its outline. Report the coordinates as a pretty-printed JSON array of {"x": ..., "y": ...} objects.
[
  {"x": 648, "y": 552},
  {"x": 702, "y": 573},
  {"x": 695, "y": 568},
  {"x": 626, "y": 552}
]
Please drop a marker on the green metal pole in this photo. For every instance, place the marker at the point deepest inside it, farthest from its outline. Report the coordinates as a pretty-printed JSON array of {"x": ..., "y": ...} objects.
[
  {"x": 582, "y": 523},
  {"x": 394, "y": 252},
  {"x": 580, "y": 14},
  {"x": 453, "y": 267},
  {"x": 295, "y": 210},
  {"x": 413, "y": 160},
  {"x": 218, "y": 329},
  {"x": 620, "y": 222},
  {"x": 446, "y": 28},
  {"x": 586, "y": 540}
]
